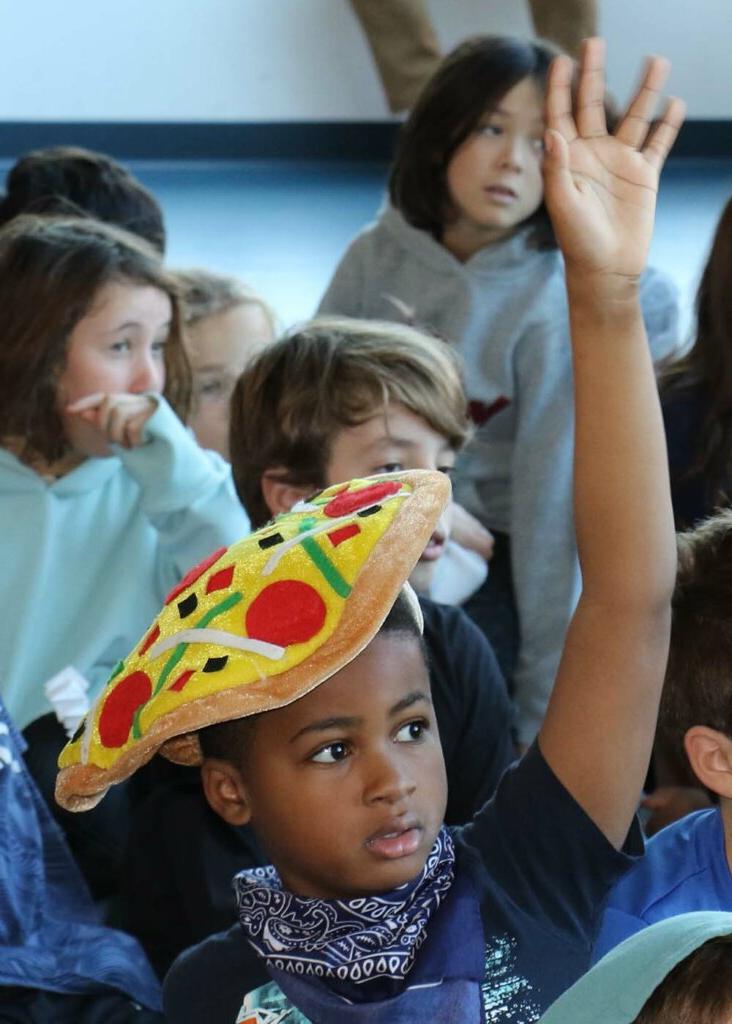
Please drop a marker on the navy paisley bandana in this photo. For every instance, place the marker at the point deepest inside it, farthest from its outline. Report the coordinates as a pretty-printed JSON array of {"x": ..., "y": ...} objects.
[{"x": 353, "y": 940}]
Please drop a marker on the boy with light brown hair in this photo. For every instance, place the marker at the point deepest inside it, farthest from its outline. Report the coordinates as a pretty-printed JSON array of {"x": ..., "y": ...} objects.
[
  {"x": 340, "y": 398},
  {"x": 334, "y": 400},
  {"x": 688, "y": 865}
]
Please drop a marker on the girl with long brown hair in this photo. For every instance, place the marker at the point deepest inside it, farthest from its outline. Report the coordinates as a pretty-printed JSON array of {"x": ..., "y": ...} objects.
[{"x": 103, "y": 491}]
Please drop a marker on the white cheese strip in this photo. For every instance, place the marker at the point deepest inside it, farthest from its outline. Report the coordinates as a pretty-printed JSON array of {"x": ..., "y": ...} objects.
[{"x": 220, "y": 637}]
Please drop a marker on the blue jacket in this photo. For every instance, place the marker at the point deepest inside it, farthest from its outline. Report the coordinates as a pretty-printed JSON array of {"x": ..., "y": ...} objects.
[{"x": 50, "y": 937}]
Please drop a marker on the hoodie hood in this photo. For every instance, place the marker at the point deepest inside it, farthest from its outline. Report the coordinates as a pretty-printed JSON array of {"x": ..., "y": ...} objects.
[
  {"x": 616, "y": 989},
  {"x": 516, "y": 255}
]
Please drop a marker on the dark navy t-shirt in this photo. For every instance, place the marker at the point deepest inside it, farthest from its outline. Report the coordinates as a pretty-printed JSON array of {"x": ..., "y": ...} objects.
[
  {"x": 532, "y": 873},
  {"x": 182, "y": 856}
]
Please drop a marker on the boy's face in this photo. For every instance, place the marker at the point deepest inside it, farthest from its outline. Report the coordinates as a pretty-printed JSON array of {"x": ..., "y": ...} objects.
[
  {"x": 346, "y": 786},
  {"x": 395, "y": 439}
]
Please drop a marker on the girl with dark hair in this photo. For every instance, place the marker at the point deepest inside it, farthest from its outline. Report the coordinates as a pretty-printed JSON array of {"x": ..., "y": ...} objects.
[
  {"x": 696, "y": 394},
  {"x": 465, "y": 246},
  {"x": 102, "y": 489}
]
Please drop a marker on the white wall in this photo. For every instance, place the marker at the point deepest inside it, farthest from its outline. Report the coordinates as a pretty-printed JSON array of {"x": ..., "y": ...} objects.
[{"x": 263, "y": 60}]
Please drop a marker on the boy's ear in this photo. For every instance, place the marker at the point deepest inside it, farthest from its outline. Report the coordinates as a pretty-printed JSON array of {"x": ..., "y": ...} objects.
[
  {"x": 710, "y": 756},
  {"x": 279, "y": 495},
  {"x": 226, "y": 791}
]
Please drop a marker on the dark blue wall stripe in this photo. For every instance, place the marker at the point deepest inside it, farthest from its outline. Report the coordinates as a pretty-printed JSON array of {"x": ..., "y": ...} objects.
[{"x": 339, "y": 140}]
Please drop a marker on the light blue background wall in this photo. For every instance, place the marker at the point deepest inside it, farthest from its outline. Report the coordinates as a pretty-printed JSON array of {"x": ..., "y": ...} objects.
[{"x": 263, "y": 60}]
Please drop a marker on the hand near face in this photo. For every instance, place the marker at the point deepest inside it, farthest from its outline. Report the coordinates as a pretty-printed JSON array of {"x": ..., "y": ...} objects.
[
  {"x": 106, "y": 419},
  {"x": 470, "y": 532},
  {"x": 601, "y": 189}
]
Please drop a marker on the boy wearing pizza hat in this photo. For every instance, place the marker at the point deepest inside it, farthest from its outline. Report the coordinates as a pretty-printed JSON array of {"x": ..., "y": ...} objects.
[
  {"x": 298, "y": 403},
  {"x": 340, "y": 398},
  {"x": 372, "y": 910}
]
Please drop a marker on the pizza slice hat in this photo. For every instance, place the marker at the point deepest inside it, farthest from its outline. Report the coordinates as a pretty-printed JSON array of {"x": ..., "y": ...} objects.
[{"x": 256, "y": 626}]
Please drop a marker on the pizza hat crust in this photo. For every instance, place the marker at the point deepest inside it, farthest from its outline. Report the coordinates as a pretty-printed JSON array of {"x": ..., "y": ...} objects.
[{"x": 101, "y": 755}]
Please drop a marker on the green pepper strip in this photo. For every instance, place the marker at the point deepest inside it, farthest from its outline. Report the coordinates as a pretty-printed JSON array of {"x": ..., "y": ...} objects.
[
  {"x": 178, "y": 652},
  {"x": 322, "y": 562}
]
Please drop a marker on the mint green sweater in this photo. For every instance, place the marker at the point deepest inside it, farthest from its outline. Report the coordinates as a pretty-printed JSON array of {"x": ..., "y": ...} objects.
[{"x": 89, "y": 558}]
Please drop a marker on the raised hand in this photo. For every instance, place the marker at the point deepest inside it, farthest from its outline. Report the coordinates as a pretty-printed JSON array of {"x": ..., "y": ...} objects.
[{"x": 601, "y": 189}]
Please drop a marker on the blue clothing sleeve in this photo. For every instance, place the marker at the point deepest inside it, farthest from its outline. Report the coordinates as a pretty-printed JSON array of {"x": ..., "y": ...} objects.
[
  {"x": 617, "y": 925},
  {"x": 50, "y": 938}
]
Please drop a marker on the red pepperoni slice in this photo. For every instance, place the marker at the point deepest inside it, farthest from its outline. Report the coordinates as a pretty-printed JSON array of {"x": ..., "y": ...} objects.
[
  {"x": 344, "y": 533},
  {"x": 351, "y": 501},
  {"x": 149, "y": 640},
  {"x": 120, "y": 706},
  {"x": 195, "y": 573},
  {"x": 220, "y": 580},
  {"x": 182, "y": 679},
  {"x": 286, "y": 612}
]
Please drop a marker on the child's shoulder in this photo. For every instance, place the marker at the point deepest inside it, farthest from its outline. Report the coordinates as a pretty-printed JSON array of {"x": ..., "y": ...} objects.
[
  {"x": 533, "y": 838},
  {"x": 209, "y": 981},
  {"x": 684, "y": 857},
  {"x": 684, "y": 869}
]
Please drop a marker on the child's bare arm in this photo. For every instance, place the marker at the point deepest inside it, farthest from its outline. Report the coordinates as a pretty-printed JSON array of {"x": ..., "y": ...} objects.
[{"x": 601, "y": 193}]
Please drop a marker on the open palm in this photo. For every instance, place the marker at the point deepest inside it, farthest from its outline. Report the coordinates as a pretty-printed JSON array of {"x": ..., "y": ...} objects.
[{"x": 601, "y": 189}]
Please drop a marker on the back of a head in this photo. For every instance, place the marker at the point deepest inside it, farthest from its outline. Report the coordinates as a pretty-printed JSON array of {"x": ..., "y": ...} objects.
[
  {"x": 329, "y": 374},
  {"x": 698, "y": 684},
  {"x": 676, "y": 971},
  {"x": 697, "y": 991},
  {"x": 51, "y": 270},
  {"x": 206, "y": 293},
  {"x": 70, "y": 181}
]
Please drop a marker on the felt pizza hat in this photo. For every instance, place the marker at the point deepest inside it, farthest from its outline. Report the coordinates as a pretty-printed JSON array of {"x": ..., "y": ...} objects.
[{"x": 256, "y": 626}]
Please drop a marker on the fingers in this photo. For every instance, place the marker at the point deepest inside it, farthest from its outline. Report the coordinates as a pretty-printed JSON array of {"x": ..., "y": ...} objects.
[
  {"x": 556, "y": 163},
  {"x": 559, "y": 114},
  {"x": 87, "y": 402},
  {"x": 664, "y": 132},
  {"x": 634, "y": 126},
  {"x": 119, "y": 418},
  {"x": 589, "y": 120},
  {"x": 590, "y": 106},
  {"x": 591, "y": 90}
]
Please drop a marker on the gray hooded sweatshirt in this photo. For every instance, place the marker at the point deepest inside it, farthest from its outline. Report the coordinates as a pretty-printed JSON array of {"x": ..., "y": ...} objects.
[{"x": 505, "y": 311}]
